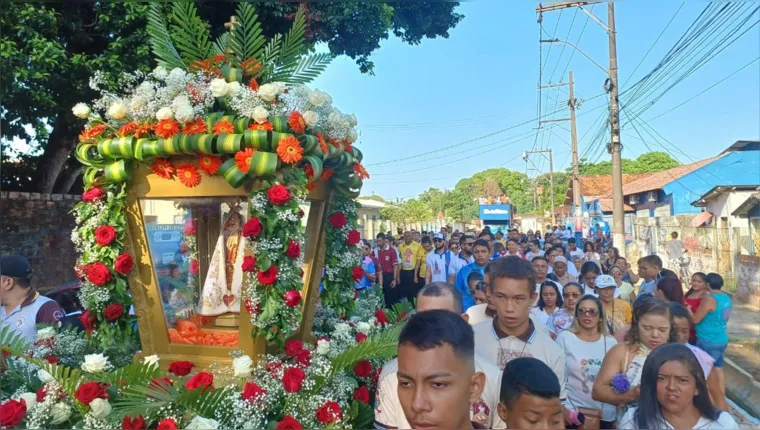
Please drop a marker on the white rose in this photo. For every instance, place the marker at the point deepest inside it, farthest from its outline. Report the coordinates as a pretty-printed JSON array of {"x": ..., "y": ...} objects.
[
  {"x": 219, "y": 87},
  {"x": 138, "y": 103},
  {"x": 201, "y": 423},
  {"x": 30, "y": 399},
  {"x": 268, "y": 92},
  {"x": 352, "y": 120},
  {"x": 44, "y": 376},
  {"x": 81, "y": 110},
  {"x": 335, "y": 118},
  {"x": 260, "y": 114},
  {"x": 323, "y": 347},
  {"x": 177, "y": 74},
  {"x": 100, "y": 408},
  {"x": 60, "y": 413},
  {"x": 352, "y": 136},
  {"x": 151, "y": 360},
  {"x": 117, "y": 110},
  {"x": 233, "y": 88},
  {"x": 242, "y": 366},
  {"x": 146, "y": 89},
  {"x": 280, "y": 87},
  {"x": 94, "y": 363},
  {"x": 311, "y": 118},
  {"x": 317, "y": 98},
  {"x": 45, "y": 333},
  {"x": 160, "y": 73},
  {"x": 179, "y": 101},
  {"x": 184, "y": 114},
  {"x": 164, "y": 113},
  {"x": 363, "y": 327}
]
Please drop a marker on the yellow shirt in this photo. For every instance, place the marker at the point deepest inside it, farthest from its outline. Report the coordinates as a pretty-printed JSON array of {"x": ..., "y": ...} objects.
[
  {"x": 423, "y": 264},
  {"x": 411, "y": 255},
  {"x": 618, "y": 314}
]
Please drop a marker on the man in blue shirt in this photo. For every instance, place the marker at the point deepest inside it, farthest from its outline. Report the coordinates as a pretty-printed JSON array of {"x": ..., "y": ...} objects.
[{"x": 481, "y": 252}]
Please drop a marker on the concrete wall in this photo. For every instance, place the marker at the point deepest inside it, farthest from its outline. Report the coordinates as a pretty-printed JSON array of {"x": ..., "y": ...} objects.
[
  {"x": 724, "y": 204},
  {"x": 748, "y": 279},
  {"x": 38, "y": 226}
]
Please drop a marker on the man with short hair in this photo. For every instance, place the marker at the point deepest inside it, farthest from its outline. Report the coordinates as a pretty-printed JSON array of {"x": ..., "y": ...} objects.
[
  {"x": 481, "y": 252},
  {"x": 412, "y": 256},
  {"x": 21, "y": 306},
  {"x": 427, "y": 246},
  {"x": 573, "y": 249},
  {"x": 389, "y": 266},
  {"x": 463, "y": 258},
  {"x": 488, "y": 237},
  {"x": 530, "y": 396},
  {"x": 512, "y": 333},
  {"x": 437, "y": 262},
  {"x": 388, "y": 409}
]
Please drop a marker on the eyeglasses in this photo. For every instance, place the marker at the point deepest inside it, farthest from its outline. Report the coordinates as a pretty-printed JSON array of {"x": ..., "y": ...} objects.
[{"x": 590, "y": 312}]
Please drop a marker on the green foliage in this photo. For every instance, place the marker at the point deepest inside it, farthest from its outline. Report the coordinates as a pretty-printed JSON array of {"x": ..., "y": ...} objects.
[
  {"x": 160, "y": 40},
  {"x": 408, "y": 212},
  {"x": 247, "y": 40},
  {"x": 12, "y": 341},
  {"x": 189, "y": 32},
  {"x": 382, "y": 346},
  {"x": 135, "y": 373},
  {"x": 163, "y": 395},
  {"x": 647, "y": 162}
]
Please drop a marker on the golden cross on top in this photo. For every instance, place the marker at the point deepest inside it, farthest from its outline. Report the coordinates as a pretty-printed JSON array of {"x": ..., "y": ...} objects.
[{"x": 231, "y": 25}]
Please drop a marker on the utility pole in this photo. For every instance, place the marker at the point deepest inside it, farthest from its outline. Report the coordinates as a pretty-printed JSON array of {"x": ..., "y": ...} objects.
[
  {"x": 577, "y": 212},
  {"x": 551, "y": 178},
  {"x": 611, "y": 86}
]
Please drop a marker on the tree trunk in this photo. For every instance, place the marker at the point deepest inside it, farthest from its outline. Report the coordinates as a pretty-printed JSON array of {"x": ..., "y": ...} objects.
[
  {"x": 61, "y": 144},
  {"x": 69, "y": 179}
]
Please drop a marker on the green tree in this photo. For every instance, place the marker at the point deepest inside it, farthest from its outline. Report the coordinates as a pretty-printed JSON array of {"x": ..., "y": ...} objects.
[
  {"x": 48, "y": 51},
  {"x": 416, "y": 211},
  {"x": 374, "y": 197},
  {"x": 647, "y": 162}
]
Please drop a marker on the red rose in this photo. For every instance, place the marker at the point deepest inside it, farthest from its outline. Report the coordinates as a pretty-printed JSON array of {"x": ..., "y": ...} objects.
[
  {"x": 329, "y": 413},
  {"x": 293, "y": 347},
  {"x": 104, "y": 235},
  {"x": 194, "y": 268},
  {"x": 294, "y": 249},
  {"x": 363, "y": 369},
  {"x": 252, "y": 227},
  {"x": 376, "y": 375},
  {"x": 338, "y": 220},
  {"x": 301, "y": 213},
  {"x": 292, "y": 379},
  {"x": 12, "y": 413},
  {"x": 90, "y": 391},
  {"x": 380, "y": 316},
  {"x": 98, "y": 273},
  {"x": 51, "y": 359},
  {"x": 41, "y": 393},
  {"x": 273, "y": 368},
  {"x": 249, "y": 264},
  {"x": 360, "y": 337},
  {"x": 92, "y": 195},
  {"x": 278, "y": 195},
  {"x": 304, "y": 358},
  {"x": 292, "y": 298},
  {"x": 288, "y": 423},
  {"x": 357, "y": 273},
  {"x": 353, "y": 237},
  {"x": 113, "y": 311},
  {"x": 123, "y": 264},
  {"x": 252, "y": 391},
  {"x": 181, "y": 368},
  {"x": 200, "y": 380},
  {"x": 268, "y": 276},
  {"x": 88, "y": 321},
  {"x": 133, "y": 423},
  {"x": 189, "y": 227},
  {"x": 167, "y": 424},
  {"x": 362, "y": 394}
]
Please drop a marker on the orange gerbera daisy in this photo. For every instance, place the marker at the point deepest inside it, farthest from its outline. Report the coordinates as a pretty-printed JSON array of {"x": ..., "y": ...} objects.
[
  {"x": 195, "y": 127},
  {"x": 219, "y": 58},
  {"x": 188, "y": 175},
  {"x": 361, "y": 171},
  {"x": 266, "y": 126},
  {"x": 243, "y": 159},
  {"x": 166, "y": 128},
  {"x": 142, "y": 130},
  {"x": 91, "y": 133},
  {"x": 162, "y": 168},
  {"x": 128, "y": 128},
  {"x": 296, "y": 122},
  {"x": 289, "y": 150},
  {"x": 322, "y": 143},
  {"x": 209, "y": 163},
  {"x": 224, "y": 127},
  {"x": 326, "y": 174}
]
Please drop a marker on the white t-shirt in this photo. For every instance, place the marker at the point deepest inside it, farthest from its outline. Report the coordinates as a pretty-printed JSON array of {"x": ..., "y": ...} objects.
[
  {"x": 390, "y": 414},
  {"x": 437, "y": 266},
  {"x": 584, "y": 359},
  {"x": 577, "y": 252},
  {"x": 457, "y": 263},
  {"x": 538, "y": 344},
  {"x": 477, "y": 314},
  {"x": 530, "y": 255},
  {"x": 724, "y": 421}
]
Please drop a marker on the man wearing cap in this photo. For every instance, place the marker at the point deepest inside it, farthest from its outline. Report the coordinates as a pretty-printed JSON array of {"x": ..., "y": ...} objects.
[
  {"x": 438, "y": 261},
  {"x": 21, "y": 306}
]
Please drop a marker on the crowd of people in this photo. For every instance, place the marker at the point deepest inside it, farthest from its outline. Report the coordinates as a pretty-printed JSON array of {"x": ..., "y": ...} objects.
[{"x": 495, "y": 312}]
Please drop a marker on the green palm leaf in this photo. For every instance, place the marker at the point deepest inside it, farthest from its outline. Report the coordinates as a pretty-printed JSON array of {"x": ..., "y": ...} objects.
[
  {"x": 308, "y": 69},
  {"x": 269, "y": 57},
  {"x": 143, "y": 400},
  {"x": 189, "y": 32},
  {"x": 12, "y": 341},
  {"x": 247, "y": 40},
  {"x": 69, "y": 377},
  {"x": 219, "y": 47},
  {"x": 293, "y": 46},
  {"x": 383, "y": 345},
  {"x": 160, "y": 40},
  {"x": 136, "y": 373}
]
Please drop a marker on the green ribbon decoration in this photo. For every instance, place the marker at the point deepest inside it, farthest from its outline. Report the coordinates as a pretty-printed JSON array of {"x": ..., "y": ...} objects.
[
  {"x": 140, "y": 149},
  {"x": 229, "y": 171},
  {"x": 229, "y": 143},
  {"x": 309, "y": 143},
  {"x": 117, "y": 148},
  {"x": 117, "y": 172},
  {"x": 241, "y": 125},
  {"x": 87, "y": 154},
  {"x": 263, "y": 163},
  {"x": 257, "y": 139},
  {"x": 90, "y": 176},
  {"x": 279, "y": 123},
  {"x": 315, "y": 162},
  {"x": 232, "y": 74},
  {"x": 357, "y": 154}
]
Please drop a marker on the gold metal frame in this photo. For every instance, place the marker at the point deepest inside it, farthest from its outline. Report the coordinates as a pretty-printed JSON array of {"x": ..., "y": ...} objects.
[{"x": 143, "y": 284}]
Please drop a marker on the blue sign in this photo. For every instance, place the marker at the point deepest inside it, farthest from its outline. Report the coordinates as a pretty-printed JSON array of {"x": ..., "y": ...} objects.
[{"x": 496, "y": 212}]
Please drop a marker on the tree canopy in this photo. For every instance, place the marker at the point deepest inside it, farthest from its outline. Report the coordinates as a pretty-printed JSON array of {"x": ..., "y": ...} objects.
[
  {"x": 644, "y": 163},
  {"x": 49, "y": 51}
]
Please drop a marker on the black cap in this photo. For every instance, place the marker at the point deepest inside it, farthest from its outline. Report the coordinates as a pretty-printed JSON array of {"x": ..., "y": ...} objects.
[{"x": 15, "y": 266}]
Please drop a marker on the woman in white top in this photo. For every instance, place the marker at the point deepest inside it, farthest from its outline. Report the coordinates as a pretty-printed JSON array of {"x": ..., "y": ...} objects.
[
  {"x": 549, "y": 302},
  {"x": 589, "y": 253},
  {"x": 674, "y": 394},
  {"x": 585, "y": 344},
  {"x": 563, "y": 318}
]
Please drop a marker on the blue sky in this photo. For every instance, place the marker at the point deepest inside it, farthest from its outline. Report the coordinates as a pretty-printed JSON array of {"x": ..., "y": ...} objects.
[{"x": 483, "y": 80}]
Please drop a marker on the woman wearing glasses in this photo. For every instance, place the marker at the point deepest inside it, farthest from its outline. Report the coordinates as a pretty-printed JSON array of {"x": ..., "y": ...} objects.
[{"x": 585, "y": 344}]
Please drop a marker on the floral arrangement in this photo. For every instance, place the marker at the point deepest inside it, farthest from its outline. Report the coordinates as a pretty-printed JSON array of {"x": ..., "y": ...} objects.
[
  {"x": 236, "y": 108},
  {"x": 620, "y": 383},
  {"x": 342, "y": 262}
]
